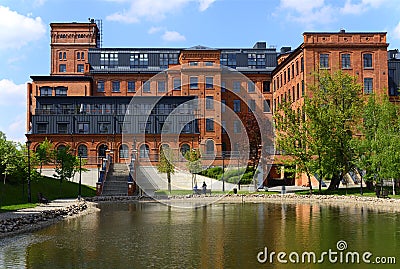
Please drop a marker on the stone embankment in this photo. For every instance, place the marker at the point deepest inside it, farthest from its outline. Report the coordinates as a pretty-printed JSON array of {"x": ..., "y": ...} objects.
[{"x": 26, "y": 220}]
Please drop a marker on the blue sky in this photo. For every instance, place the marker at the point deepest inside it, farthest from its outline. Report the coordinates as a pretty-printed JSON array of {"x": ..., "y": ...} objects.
[{"x": 24, "y": 31}]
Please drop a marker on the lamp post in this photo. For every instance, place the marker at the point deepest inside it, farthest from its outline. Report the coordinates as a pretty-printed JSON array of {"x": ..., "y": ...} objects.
[
  {"x": 28, "y": 145},
  {"x": 223, "y": 171},
  {"x": 98, "y": 171},
  {"x": 80, "y": 175}
]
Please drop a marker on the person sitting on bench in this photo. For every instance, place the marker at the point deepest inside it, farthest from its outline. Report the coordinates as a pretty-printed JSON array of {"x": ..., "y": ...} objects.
[{"x": 42, "y": 199}]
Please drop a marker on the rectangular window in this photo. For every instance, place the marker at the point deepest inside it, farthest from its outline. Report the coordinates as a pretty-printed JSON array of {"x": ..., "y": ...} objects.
[
  {"x": 236, "y": 105},
  {"x": 42, "y": 128},
  {"x": 177, "y": 83},
  {"x": 161, "y": 86},
  {"x": 131, "y": 86},
  {"x": 115, "y": 86},
  {"x": 83, "y": 127},
  {"x": 298, "y": 90},
  {"x": 302, "y": 88},
  {"x": 297, "y": 68},
  {"x": 100, "y": 86},
  {"x": 46, "y": 91},
  {"x": 104, "y": 127},
  {"x": 367, "y": 59},
  {"x": 324, "y": 60},
  {"x": 236, "y": 127},
  {"x": 146, "y": 86},
  {"x": 209, "y": 63},
  {"x": 61, "y": 91},
  {"x": 209, "y": 102},
  {"x": 346, "y": 61},
  {"x": 228, "y": 59},
  {"x": 193, "y": 63},
  {"x": 368, "y": 85},
  {"x": 267, "y": 106},
  {"x": 209, "y": 82},
  {"x": 223, "y": 105},
  {"x": 194, "y": 83},
  {"x": 223, "y": 125},
  {"x": 80, "y": 68},
  {"x": 252, "y": 105},
  {"x": 62, "y": 68},
  {"x": 251, "y": 87},
  {"x": 236, "y": 86},
  {"x": 288, "y": 74},
  {"x": 266, "y": 86},
  {"x": 62, "y": 128},
  {"x": 210, "y": 125}
]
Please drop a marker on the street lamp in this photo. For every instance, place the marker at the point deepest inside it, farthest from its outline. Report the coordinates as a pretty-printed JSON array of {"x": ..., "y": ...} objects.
[
  {"x": 223, "y": 171},
  {"x": 80, "y": 175},
  {"x": 28, "y": 145}
]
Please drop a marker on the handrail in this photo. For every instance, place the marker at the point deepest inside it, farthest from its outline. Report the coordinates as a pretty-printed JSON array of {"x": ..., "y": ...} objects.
[{"x": 105, "y": 168}]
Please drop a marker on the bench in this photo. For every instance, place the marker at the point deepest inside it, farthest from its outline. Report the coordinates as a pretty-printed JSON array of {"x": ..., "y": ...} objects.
[
  {"x": 384, "y": 194},
  {"x": 200, "y": 191}
]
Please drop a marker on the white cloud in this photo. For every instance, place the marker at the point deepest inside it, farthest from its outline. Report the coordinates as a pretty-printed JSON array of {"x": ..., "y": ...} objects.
[
  {"x": 13, "y": 109},
  {"x": 305, "y": 6},
  {"x": 154, "y": 30},
  {"x": 173, "y": 36},
  {"x": 396, "y": 31},
  {"x": 17, "y": 30},
  {"x": 308, "y": 11},
  {"x": 154, "y": 10},
  {"x": 350, "y": 7}
]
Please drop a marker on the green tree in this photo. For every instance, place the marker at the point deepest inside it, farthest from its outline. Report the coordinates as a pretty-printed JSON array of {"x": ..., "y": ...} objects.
[
  {"x": 334, "y": 112},
  {"x": 45, "y": 153},
  {"x": 67, "y": 164},
  {"x": 166, "y": 165},
  {"x": 193, "y": 164}
]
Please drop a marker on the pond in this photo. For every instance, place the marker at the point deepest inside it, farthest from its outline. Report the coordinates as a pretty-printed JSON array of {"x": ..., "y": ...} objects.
[{"x": 249, "y": 235}]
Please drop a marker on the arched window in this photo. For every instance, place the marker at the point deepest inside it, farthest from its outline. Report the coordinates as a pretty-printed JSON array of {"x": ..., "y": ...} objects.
[
  {"x": 83, "y": 151},
  {"x": 184, "y": 148},
  {"x": 78, "y": 55},
  {"x": 82, "y": 55},
  {"x": 102, "y": 151},
  {"x": 61, "y": 147},
  {"x": 60, "y": 55},
  {"x": 210, "y": 147},
  {"x": 144, "y": 151},
  {"x": 124, "y": 151},
  {"x": 64, "y": 55}
]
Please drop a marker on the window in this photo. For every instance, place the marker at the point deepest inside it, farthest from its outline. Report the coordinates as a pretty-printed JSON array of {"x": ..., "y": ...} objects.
[
  {"x": 64, "y": 55},
  {"x": 267, "y": 106},
  {"x": 61, "y": 91},
  {"x": 102, "y": 151},
  {"x": 298, "y": 91},
  {"x": 367, "y": 59},
  {"x": 297, "y": 68},
  {"x": 288, "y": 74},
  {"x": 82, "y": 56},
  {"x": 131, "y": 86},
  {"x": 194, "y": 83},
  {"x": 80, "y": 68},
  {"x": 46, "y": 91},
  {"x": 223, "y": 86},
  {"x": 161, "y": 86},
  {"x": 146, "y": 86},
  {"x": 284, "y": 77},
  {"x": 104, "y": 127},
  {"x": 346, "y": 61},
  {"x": 144, "y": 151},
  {"x": 42, "y": 128},
  {"x": 78, "y": 55},
  {"x": 324, "y": 60},
  {"x": 223, "y": 125},
  {"x": 209, "y": 102},
  {"x": 193, "y": 63},
  {"x": 164, "y": 60},
  {"x": 83, "y": 151},
  {"x": 236, "y": 105},
  {"x": 83, "y": 127},
  {"x": 302, "y": 64},
  {"x": 252, "y": 60},
  {"x": 60, "y": 55},
  {"x": 252, "y": 105},
  {"x": 139, "y": 60},
  {"x": 124, "y": 151},
  {"x": 368, "y": 85},
  {"x": 62, "y": 68},
  {"x": 302, "y": 88},
  {"x": 236, "y": 86},
  {"x": 209, "y": 63},
  {"x": 113, "y": 60},
  {"x": 237, "y": 128},
  {"x": 266, "y": 86},
  {"x": 210, "y": 125},
  {"x": 228, "y": 59},
  {"x": 251, "y": 87},
  {"x": 223, "y": 105},
  {"x": 115, "y": 86},
  {"x": 210, "y": 147},
  {"x": 177, "y": 83},
  {"x": 100, "y": 86},
  {"x": 209, "y": 82},
  {"x": 184, "y": 148}
]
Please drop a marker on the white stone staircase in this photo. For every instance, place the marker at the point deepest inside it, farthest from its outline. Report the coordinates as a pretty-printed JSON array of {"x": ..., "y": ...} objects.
[{"x": 116, "y": 183}]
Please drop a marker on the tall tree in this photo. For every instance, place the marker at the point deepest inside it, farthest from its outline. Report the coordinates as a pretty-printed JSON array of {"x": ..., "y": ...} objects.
[
  {"x": 193, "y": 164},
  {"x": 67, "y": 164},
  {"x": 45, "y": 153},
  {"x": 166, "y": 165}
]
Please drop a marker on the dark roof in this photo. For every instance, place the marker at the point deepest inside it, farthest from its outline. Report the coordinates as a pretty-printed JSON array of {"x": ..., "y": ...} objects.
[{"x": 63, "y": 78}]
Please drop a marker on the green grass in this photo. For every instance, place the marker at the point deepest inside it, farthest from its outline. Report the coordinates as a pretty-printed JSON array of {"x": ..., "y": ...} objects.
[
  {"x": 349, "y": 191},
  {"x": 15, "y": 196}
]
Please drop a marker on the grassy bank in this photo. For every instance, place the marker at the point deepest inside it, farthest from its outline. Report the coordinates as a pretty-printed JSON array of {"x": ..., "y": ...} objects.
[{"x": 15, "y": 196}]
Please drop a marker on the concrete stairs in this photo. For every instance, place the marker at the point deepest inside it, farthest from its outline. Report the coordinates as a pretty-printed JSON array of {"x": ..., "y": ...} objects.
[{"x": 116, "y": 183}]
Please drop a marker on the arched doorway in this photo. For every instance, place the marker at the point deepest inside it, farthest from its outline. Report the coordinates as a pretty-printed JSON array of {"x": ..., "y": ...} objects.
[
  {"x": 83, "y": 151},
  {"x": 144, "y": 151},
  {"x": 102, "y": 151},
  {"x": 184, "y": 148},
  {"x": 123, "y": 152}
]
